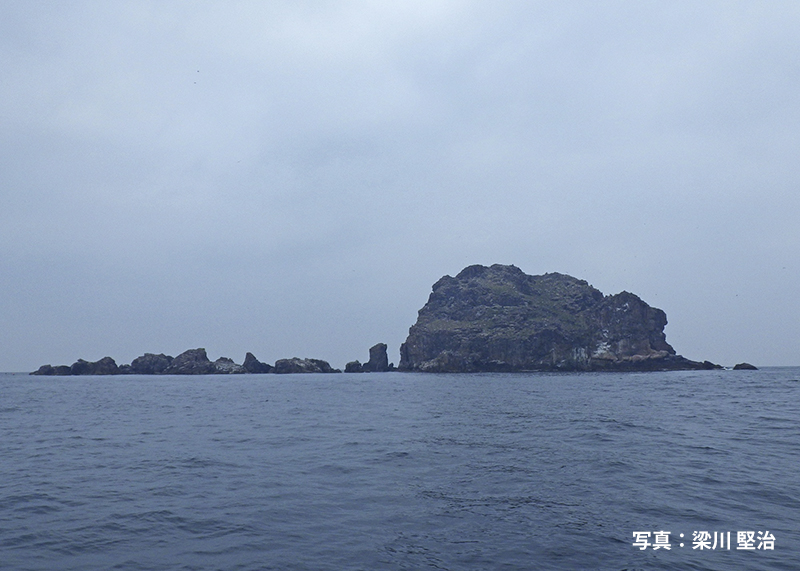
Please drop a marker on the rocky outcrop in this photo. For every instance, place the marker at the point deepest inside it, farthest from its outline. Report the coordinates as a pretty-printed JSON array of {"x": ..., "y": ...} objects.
[
  {"x": 253, "y": 365},
  {"x": 745, "y": 367},
  {"x": 378, "y": 359},
  {"x": 80, "y": 367},
  {"x": 226, "y": 366},
  {"x": 105, "y": 366},
  {"x": 354, "y": 367},
  {"x": 196, "y": 362},
  {"x": 59, "y": 370},
  {"x": 191, "y": 362},
  {"x": 295, "y": 365},
  {"x": 150, "y": 364},
  {"x": 500, "y": 319}
]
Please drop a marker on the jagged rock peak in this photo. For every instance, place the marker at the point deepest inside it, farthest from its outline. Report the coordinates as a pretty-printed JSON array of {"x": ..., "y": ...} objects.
[
  {"x": 378, "y": 359},
  {"x": 253, "y": 365},
  {"x": 498, "y": 318},
  {"x": 191, "y": 362}
]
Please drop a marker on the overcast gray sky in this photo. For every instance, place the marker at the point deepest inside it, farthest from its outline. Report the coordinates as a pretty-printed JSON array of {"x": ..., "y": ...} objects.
[{"x": 290, "y": 178}]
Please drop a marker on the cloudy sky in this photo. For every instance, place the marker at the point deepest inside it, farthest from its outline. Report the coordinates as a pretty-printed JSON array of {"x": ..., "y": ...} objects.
[{"x": 290, "y": 178}]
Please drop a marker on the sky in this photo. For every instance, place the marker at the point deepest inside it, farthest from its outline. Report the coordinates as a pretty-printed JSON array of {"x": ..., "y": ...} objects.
[{"x": 290, "y": 178}]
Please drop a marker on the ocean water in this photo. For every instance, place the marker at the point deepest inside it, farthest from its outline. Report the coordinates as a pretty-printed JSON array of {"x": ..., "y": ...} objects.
[{"x": 399, "y": 471}]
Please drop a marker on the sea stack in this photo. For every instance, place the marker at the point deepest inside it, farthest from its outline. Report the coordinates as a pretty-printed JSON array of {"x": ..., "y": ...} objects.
[{"x": 498, "y": 318}]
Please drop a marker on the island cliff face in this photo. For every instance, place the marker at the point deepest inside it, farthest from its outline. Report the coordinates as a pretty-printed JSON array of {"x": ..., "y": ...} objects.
[{"x": 500, "y": 319}]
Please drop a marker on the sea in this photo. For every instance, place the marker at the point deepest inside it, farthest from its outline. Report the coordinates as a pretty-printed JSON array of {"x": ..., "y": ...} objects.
[{"x": 688, "y": 470}]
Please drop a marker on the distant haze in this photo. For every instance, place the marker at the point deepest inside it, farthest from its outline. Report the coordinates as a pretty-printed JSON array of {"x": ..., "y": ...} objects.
[{"x": 290, "y": 178}]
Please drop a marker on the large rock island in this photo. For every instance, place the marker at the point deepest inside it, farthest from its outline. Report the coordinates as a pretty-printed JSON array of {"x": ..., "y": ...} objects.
[{"x": 500, "y": 319}]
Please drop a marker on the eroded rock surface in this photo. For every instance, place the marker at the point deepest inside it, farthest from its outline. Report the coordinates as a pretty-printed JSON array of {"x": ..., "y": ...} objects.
[
  {"x": 226, "y": 366},
  {"x": 253, "y": 365},
  {"x": 500, "y": 319},
  {"x": 296, "y": 365},
  {"x": 378, "y": 359},
  {"x": 150, "y": 364},
  {"x": 354, "y": 367},
  {"x": 191, "y": 362}
]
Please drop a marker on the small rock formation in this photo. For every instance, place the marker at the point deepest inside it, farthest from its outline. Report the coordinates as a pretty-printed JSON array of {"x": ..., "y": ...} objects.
[
  {"x": 296, "y": 365},
  {"x": 191, "y": 362},
  {"x": 80, "y": 367},
  {"x": 226, "y": 366},
  {"x": 60, "y": 370},
  {"x": 105, "y": 366},
  {"x": 500, "y": 319},
  {"x": 150, "y": 364},
  {"x": 745, "y": 367},
  {"x": 378, "y": 359},
  {"x": 354, "y": 367},
  {"x": 253, "y": 365}
]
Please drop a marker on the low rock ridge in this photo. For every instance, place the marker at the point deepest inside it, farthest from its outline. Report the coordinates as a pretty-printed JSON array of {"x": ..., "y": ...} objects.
[
  {"x": 498, "y": 318},
  {"x": 191, "y": 362}
]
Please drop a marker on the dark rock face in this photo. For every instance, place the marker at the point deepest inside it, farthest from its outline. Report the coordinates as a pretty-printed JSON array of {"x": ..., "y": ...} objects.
[
  {"x": 500, "y": 319},
  {"x": 80, "y": 367},
  {"x": 150, "y": 364},
  {"x": 226, "y": 366},
  {"x": 295, "y": 365},
  {"x": 44, "y": 370},
  {"x": 253, "y": 365},
  {"x": 105, "y": 366},
  {"x": 378, "y": 359},
  {"x": 60, "y": 370},
  {"x": 351, "y": 367},
  {"x": 745, "y": 367},
  {"x": 191, "y": 362}
]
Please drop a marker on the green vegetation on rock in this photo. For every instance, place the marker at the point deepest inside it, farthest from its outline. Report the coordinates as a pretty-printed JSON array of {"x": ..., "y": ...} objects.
[{"x": 500, "y": 319}]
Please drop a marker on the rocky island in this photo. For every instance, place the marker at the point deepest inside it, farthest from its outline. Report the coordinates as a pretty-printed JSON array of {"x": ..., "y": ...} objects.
[
  {"x": 486, "y": 319},
  {"x": 191, "y": 362},
  {"x": 498, "y": 318}
]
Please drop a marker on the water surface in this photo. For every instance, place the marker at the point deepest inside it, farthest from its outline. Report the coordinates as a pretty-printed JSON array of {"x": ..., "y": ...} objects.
[{"x": 397, "y": 471}]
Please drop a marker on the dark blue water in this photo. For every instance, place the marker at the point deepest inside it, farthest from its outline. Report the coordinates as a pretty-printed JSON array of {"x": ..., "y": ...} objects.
[{"x": 397, "y": 471}]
